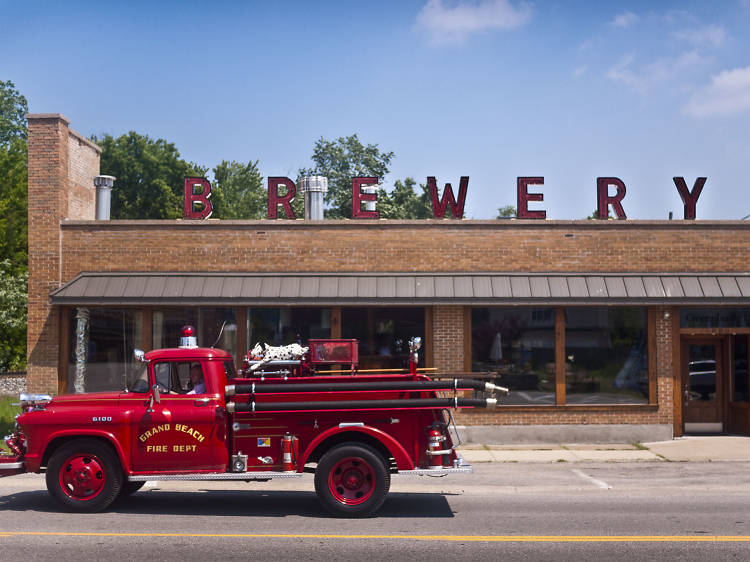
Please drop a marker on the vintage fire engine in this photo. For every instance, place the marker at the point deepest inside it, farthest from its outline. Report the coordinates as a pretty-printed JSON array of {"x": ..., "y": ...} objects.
[{"x": 353, "y": 431}]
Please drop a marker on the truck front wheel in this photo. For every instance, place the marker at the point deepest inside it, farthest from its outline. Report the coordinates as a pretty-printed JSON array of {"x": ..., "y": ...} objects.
[
  {"x": 84, "y": 475},
  {"x": 352, "y": 480}
]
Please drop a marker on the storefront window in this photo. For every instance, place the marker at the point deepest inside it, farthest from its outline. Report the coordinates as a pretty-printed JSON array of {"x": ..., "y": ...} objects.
[
  {"x": 167, "y": 326},
  {"x": 282, "y": 326},
  {"x": 518, "y": 343},
  {"x": 714, "y": 317},
  {"x": 739, "y": 368},
  {"x": 383, "y": 334},
  {"x": 100, "y": 356},
  {"x": 606, "y": 350}
]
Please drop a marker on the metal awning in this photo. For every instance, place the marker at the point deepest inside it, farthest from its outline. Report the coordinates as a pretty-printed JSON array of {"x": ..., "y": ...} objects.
[{"x": 233, "y": 289}]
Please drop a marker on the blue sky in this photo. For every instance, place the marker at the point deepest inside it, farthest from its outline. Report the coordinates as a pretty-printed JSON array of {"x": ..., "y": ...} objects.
[{"x": 492, "y": 89}]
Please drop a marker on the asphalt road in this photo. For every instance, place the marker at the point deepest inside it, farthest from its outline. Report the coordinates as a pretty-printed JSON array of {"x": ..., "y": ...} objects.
[{"x": 513, "y": 511}]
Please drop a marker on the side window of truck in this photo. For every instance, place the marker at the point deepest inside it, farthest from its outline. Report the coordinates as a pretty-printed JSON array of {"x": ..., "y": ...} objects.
[
  {"x": 181, "y": 377},
  {"x": 162, "y": 372}
]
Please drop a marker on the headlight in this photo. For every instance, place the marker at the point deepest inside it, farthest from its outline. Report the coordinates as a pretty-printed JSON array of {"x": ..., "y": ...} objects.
[{"x": 33, "y": 401}]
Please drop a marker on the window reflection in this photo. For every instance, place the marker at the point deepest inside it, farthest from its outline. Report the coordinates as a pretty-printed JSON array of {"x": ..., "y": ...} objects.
[
  {"x": 101, "y": 348},
  {"x": 606, "y": 351},
  {"x": 519, "y": 344},
  {"x": 739, "y": 368},
  {"x": 383, "y": 334},
  {"x": 285, "y": 325},
  {"x": 167, "y": 326},
  {"x": 704, "y": 317}
]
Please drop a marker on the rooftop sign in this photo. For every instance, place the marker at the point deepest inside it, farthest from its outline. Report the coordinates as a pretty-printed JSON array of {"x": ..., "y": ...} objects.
[{"x": 197, "y": 203}]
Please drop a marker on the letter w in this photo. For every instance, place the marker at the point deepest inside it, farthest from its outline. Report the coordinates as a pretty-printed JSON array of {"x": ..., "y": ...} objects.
[{"x": 438, "y": 208}]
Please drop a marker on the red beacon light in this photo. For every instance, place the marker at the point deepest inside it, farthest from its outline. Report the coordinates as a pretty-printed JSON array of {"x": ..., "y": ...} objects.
[{"x": 188, "y": 338}]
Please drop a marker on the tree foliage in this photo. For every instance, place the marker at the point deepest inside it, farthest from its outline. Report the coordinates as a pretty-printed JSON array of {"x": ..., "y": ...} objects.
[
  {"x": 237, "y": 191},
  {"x": 13, "y": 227},
  {"x": 507, "y": 212},
  {"x": 13, "y": 110},
  {"x": 13, "y": 179},
  {"x": 14, "y": 205},
  {"x": 403, "y": 202},
  {"x": 13, "y": 300},
  {"x": 340, "y": 161},
  {"x": 150, "y": 176}
]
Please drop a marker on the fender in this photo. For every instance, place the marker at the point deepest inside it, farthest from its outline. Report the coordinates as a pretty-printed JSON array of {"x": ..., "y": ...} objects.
[
  {"x": 403, "y": 461},
  {"x": 33, "y": 462}
]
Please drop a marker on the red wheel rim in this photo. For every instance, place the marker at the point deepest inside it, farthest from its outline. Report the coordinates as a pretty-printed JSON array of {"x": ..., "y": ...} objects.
[
  {"x": 352, "y": 481},
  {"x": 82, "y": 477}
]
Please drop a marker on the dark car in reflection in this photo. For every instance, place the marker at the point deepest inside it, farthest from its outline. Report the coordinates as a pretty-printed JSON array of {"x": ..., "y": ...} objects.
[{"x": 702, "y": 379}]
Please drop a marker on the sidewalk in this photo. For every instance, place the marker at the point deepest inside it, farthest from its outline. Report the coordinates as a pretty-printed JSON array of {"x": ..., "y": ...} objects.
[{"x": 683, "y": 449}]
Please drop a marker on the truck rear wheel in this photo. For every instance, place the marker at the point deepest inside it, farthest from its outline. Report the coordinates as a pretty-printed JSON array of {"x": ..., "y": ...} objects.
[
  {"x": 84, "y": 475},
  {"x": 352, "y": 480}
]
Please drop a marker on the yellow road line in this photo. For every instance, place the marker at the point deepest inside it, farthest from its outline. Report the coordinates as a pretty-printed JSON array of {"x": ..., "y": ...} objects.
[{"x": 448, "y": 538}]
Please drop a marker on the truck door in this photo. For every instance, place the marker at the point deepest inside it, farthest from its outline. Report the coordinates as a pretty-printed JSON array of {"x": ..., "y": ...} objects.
[{"x": 186, "y": 431}]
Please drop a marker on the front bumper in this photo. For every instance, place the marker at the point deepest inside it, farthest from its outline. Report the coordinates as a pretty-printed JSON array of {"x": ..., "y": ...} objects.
[{"x": 10, "y": 465}]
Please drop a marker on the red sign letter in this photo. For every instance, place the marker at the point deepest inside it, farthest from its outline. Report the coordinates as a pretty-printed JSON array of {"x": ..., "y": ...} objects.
[
  {"x": 524, "y": 197},
  {"x": 358, "y": 197},
  {"x": 457, "y": 209},
  {"x": 689, "y": 198},
  {"x": 274, "y": 199},
  {"x": 604, "y": 199},
  {"x": 196, "y": 204}
]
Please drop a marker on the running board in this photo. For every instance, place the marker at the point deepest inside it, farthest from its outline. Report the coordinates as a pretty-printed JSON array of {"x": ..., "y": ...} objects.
[
  {"x": 214, "y": 476},
  {"x": 465, "y": 469}
]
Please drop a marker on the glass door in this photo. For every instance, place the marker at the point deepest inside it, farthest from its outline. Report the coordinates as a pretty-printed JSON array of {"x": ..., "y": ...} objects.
[{"x": 702, "y": 391}]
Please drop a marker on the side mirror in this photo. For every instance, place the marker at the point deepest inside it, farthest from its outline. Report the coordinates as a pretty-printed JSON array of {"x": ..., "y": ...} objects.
[
  {"x": 139, "y": 355},
  {"x": 156, "y": 394},
  {"x": 155, "y": 397}
]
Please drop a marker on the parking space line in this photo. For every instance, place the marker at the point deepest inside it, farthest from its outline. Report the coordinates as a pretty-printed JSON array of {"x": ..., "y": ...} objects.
[{"x": 595, "y": 481}]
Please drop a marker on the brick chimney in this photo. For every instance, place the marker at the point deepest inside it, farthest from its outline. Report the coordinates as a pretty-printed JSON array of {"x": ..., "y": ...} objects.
[{"x": 62, "y": 167}]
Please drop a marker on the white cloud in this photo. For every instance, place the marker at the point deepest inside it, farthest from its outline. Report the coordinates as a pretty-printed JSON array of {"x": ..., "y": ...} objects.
[
  {"x": 626, "y": 19},
  {"x": 728, "y": 94},
  {"x": 710, "y": 35},
  {"x": 644, "y": 78},
  {"x": 580, "y": 71},
  {"x": 454, "y": 23}
]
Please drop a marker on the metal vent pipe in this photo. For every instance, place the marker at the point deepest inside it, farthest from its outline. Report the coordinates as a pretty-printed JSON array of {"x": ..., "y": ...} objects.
[
  {"x": 314, "y": 189},
  {"x": 103, "y": 196}
]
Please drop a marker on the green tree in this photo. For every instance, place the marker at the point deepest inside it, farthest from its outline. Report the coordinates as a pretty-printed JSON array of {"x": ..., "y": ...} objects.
[
  {"x": 238, "y": 192},
  {"x": 13, "y": 227},
  {"x": 340, "y": 161},
  {"x": 13, "y": 301},
  {"x": 150, "y": 176},
  {"x": 507, "y": 212},
  {"x": 595, "y": 214},
  {"x": 403, "y": 202},
  {"x": 14, "y": 205},
  {"x": 13, "y": 110},
  {"x": 13, "y": 179}
]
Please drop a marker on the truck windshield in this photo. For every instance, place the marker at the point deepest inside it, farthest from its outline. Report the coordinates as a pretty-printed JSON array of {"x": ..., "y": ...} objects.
[{"x": 138, "y": 378}]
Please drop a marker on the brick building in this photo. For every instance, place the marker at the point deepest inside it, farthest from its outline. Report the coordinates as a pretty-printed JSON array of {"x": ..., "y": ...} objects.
[{"x": 630, "y": 329}]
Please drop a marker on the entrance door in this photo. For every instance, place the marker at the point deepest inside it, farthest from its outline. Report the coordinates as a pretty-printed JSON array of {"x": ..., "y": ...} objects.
[{"x": 702, "y": 385}]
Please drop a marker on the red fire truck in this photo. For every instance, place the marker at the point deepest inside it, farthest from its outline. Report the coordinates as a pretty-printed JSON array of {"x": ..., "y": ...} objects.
[{"x": 352, "y": 430}]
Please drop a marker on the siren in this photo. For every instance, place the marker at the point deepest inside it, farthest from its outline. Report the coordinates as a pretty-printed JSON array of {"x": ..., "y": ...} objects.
[{"x": 188, "y": 338}]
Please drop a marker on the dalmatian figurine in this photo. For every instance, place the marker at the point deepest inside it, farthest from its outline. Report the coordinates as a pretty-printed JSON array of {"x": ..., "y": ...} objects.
[{"x": 276, "y": 353}]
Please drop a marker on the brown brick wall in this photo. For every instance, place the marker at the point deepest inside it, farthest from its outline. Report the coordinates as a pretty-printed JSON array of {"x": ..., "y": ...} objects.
[
  {"x": 448, "y": 338},
  {"x": 49, "y": 198},
  {"x": 83, "y": 166},
  {"x": 433, "y": 246}
]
